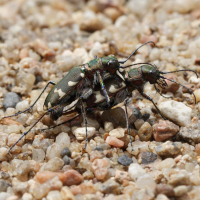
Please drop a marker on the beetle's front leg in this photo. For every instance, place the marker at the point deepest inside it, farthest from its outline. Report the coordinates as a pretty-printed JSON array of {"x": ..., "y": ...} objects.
[{"x": 103, "y": 88}]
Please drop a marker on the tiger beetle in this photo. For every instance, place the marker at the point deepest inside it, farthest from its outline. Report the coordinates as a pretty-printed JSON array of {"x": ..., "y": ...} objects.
[
  {"x": 134, "y": 78},
  {"x": 77, "y": 84}
]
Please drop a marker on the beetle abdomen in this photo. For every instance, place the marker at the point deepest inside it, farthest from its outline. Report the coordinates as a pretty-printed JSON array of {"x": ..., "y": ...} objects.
[{"x": 64, "y": 87}]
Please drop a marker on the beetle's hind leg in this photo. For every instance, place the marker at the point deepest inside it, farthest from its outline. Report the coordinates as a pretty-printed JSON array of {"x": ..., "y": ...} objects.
[
  {"x": 150, "y": 99},
  {"x": 50, "y": 82}
]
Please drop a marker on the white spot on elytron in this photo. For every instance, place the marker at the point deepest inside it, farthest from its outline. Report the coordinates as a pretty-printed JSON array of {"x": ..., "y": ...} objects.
[
  {"x": 120, "y": 75},
  {"x": 112, "y": 89},
  {"x": 99, "y": 96},
  {"x": 49, "y": 105},
  {"x": 71, "y": 83},
  {"x": 60, "y": 92},
  {"x": 82, "y": 75}
]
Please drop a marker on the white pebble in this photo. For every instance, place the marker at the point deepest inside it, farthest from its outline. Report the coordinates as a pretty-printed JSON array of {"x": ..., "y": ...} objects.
[
  {"x": 54, "y": 195},
  {"x": 80, "y": 133},
  {"x": 108, "y": 126},
  {"x": 145, "y": 181},
  {"x": 135, "y": 171},
  {"x": 63, "y": 139},
  {"x": 118, "y": 132},
  {"x": 22, "y": 105},
  {"x": 3, "y": 152},
  {"x": 38, "y": 155},
  {"x": 176, "y": 112},
  {"x": 180, "y": 190}
]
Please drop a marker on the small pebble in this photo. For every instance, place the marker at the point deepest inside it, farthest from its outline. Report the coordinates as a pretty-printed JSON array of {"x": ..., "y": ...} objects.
[
  {"x": 135, "y": 171},
  {"x": 72, "y": 177},
  {"x": 108, "y": 126},
  {"x": 113, "y": 141},
  {"x": 66, "y": 160},
  {"x": 164, "y": 130},
  {"x": 145, "y": 132},
  {"x": 98, "y": 148},
  {"x": 100, "y": 168},
  {"x": 164, "y": 189},
  {"x": 80, "y": 133},
  {"x": 10, "y": 100},
  {"x": 124, "y": 160},
  {"x": 66, "y": 194},
  {"x": 108, "y": 186},
  {"x": 118, "y": 132},
  {"x": 176, "y": 112},
  {"x": 54, "y": 195},
  {"x": 65, "y": 151},
  {"x": 147, "y": 157}
]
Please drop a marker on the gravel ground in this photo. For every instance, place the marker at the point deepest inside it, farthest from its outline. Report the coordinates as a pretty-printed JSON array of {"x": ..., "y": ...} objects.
[{"x": 41, "y": 40}]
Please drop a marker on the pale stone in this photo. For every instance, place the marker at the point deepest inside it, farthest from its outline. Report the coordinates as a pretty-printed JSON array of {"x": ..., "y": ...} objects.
[
  {"x": 197, "y": 94},
  {"x": 108, "y": 126},
  {"x": 135, "y": 171},
  {"x": 180, "y": 190},
  {"x": 118, "y": 132},
  {"x": 22, "y": 105},
  {"x": 100, "y": 168},
  {"x": 167, "y": 163},
  {"x": 161, "y": 197},
  {"x": 27, "y": 196},
  {"x": 53, "y": 164},
  {"x": 54, "y": 195},
  {"x": 145, "y": 181},
  {"x": 3, "y": 152},
  {"x": 38, "y": 155},
  {"x": 176, "y": 111},
  {"x": 66, "y": 194},
  {"x": 80, "y": 133}
]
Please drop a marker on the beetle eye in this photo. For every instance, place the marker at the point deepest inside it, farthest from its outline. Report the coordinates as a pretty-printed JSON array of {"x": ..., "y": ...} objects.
[{"x": 112, "y": 64}]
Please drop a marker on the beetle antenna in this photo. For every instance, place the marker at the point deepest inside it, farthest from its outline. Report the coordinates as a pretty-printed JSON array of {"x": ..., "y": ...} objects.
[
  {"x": 181, "y": 85},
  {"x": 122, "y": 62},
  {"x": 136, "y": 64},
  {"x": 182, "y": 70}
]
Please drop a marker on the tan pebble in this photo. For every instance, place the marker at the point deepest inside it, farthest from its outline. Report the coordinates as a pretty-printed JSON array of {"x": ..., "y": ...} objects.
[
  {"x": 164, "y": 130},
  {"x": 138, "y": 123},
  {"x": 35, "y": 166},
  {"x": 129, "y": 189},
  {"x": 66, "y": 194},
  {"x": 197, "y": 148},
  {"x": 164, "y": 189},
  {"x": 95, "y": 155},
  {"x": 197, "y": 94},
  {"x": 162, "y": 197},
  {"x": 83, "y": 188},
  {"x": 108, "y": 126},
  {"x": 44, "y": 176},
  {"x": 113, "y": 141},
  {"x": 13, "y": 197},
  {"x": 23, "y": 53},
  {"x": 3, "y": 152},
  {"x": 112, "y": 13},
  {"x": 99, "y": 168},
  {"x": 145, "y": 132},
  {"x": 118, "y": 132},
  {"x": 120, "y": 176},
  {"x": 178, "y": 158},
  {"x": 8, "y": 121},
  {"x": 72, "y": 177},
  {"x": 147, "y": 38},
  {"x": 180, "y": 190}
]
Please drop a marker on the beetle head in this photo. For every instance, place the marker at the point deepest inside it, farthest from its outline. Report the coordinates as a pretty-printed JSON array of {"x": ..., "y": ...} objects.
[{"x": 111, "y": 63}]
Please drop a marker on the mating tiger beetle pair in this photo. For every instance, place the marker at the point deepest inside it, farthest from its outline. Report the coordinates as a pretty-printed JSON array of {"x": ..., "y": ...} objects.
[{"x": 99, "y": 85}]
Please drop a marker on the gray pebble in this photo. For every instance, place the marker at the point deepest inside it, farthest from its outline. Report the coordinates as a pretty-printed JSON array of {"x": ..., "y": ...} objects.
[
  {"x": 97, "y": 149},
  {"x": 147, "y": 157},
  {"x": 10, "y": 100},
  {"x": 65, "y": 151},
  {"x": 146, "y": 116},
  {"x": 137, "y": 113},
  {"x": 124, "y": 160},
  {"x": 3, "y": 185},
  {"x": 66, "y": 160}
]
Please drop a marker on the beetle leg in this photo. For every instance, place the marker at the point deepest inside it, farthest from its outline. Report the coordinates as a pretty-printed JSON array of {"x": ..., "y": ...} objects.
[
  {"x": 85, "y": 119},
  {"x": 68, "y": 121},
  {"x": 150, "y": 99},
  {"x": 24, "y": 134},
  {"x": 127, "y": 121},
  {"x": 50, "y": 82},
  {"x": 103, "y": 88}
]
